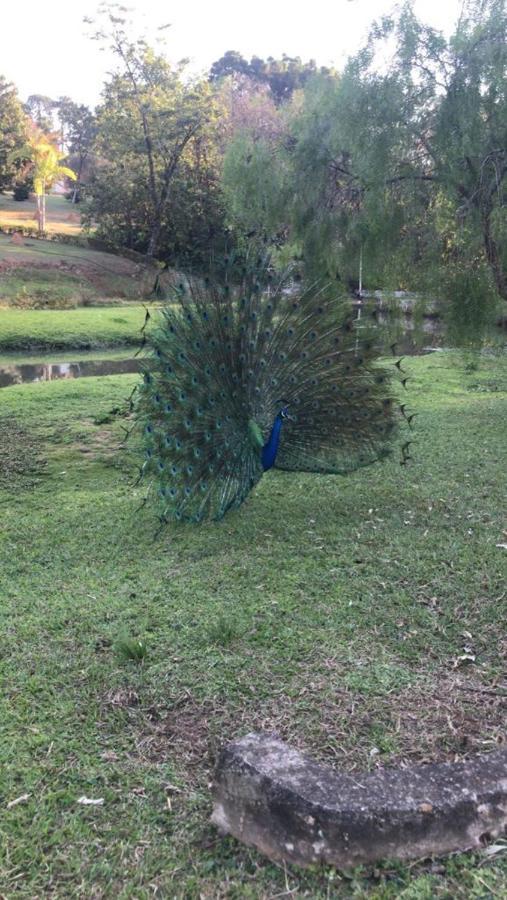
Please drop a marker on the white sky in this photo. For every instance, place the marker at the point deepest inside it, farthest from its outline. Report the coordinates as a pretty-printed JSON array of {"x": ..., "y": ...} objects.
[{"x": 45, "y": 50}]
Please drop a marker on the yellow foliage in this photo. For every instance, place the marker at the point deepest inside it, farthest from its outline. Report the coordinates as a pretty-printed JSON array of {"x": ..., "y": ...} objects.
[{"x": 45, "y": 157}]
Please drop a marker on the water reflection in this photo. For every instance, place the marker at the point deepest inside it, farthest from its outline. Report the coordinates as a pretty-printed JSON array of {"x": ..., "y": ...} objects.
[{"x": 30, "y": 372}]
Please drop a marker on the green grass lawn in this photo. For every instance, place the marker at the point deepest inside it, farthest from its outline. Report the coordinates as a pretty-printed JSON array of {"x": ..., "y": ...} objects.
[
  {"x": 361, "y": 618},
  {"x": 89, "y": 328}
]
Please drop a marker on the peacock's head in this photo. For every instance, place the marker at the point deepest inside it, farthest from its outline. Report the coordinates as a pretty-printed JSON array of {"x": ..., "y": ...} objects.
[{"x": 284, "y": 413}]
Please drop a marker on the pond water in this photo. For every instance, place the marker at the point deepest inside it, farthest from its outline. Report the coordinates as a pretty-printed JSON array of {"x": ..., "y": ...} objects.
[
  {"x": 34, "y": 370},
  {"x": 428, "y": 336},
  {"x": 24, "y": 373}
]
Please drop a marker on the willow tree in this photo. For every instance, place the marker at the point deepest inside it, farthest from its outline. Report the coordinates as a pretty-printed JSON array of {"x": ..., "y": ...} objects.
[
  {"x": 402, "y": 166},
  {"x": 407, "y": 164},
  {"x": 453, "y": 104}
]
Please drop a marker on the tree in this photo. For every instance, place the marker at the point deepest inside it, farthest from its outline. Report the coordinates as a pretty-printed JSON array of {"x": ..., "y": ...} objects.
[
  {"x": 79, "y": 129},
  {"x": 45, "y": 159},
  {"x": 12, "y": 132},
  {"x": 191, "y": 223},
  {"x": 250, "y": 108},
  {"x": 40, "y": 108},
  {"x": 147, "y": 120},
  {"x": 281, "y": 76}
]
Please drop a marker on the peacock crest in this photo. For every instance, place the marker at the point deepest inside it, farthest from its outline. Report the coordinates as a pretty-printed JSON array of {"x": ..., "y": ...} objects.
[{"x": 251, "y": 373}]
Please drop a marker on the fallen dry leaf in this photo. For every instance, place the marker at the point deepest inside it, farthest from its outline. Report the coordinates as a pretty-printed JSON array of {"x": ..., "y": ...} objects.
[{"x": 22, "y": 799}]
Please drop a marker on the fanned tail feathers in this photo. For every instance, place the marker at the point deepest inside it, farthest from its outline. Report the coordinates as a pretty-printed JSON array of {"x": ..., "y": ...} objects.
[{"x": 225, "y": 358}]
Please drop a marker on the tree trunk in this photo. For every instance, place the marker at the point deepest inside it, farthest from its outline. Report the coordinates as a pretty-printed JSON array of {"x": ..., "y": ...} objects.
[
  {"x": 154, "y": 237},
  {"x": 43, "y": 208},
  {"x": 77, "y": 181},
  {"x": 156, "y": 226},
  {"x": 494, "y": 258},
  {"x": 161, "y": 203}
]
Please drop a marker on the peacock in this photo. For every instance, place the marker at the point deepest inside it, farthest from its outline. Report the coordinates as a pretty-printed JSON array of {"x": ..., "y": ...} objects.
[{"x": 257, "y": 371}]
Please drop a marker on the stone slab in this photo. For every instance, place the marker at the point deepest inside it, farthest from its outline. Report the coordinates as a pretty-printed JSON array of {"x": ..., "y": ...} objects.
[{"x": 293, "y": 808}]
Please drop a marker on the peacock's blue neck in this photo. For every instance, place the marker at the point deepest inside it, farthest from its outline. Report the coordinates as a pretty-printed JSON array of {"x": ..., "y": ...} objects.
[{"x": 270, "y": 448}]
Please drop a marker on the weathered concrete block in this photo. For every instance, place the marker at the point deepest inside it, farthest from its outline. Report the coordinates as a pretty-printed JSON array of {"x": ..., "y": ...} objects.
[{"x": 293, "y": 808}]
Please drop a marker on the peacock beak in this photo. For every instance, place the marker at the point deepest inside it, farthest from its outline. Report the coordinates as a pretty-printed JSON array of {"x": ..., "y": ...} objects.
[{"x": 285, "y": 414}]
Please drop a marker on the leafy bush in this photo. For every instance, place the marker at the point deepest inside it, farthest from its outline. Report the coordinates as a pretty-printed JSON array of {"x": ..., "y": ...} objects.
[
  {"x": 21, "y": 192},
  {"x": 74, "y": 196}
]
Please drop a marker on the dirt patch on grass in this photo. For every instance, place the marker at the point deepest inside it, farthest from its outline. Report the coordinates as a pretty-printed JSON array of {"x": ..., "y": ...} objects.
[
  {"x": 445, "y": 718},
  {"x": 21, "y": 458},
  {"x": 99, "y": 444}
]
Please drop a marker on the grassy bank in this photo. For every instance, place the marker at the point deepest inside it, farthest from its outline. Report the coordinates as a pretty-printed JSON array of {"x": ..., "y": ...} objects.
[
  {"x": 23, "y": 358},
  {"x": 358, "y": 617},
  {"x": 48, "y": 274},
  {"x": 90, "y": 328}
]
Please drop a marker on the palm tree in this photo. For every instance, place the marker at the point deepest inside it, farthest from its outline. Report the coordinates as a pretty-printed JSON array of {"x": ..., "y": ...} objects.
[{"x": 45, "y": 158}]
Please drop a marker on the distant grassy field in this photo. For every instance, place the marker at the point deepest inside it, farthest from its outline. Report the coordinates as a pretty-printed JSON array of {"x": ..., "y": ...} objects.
[
  {"x": 361, "y": 618},
  {"x": 61, "y": 215},
  {"x": 70, "y": 329}
]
